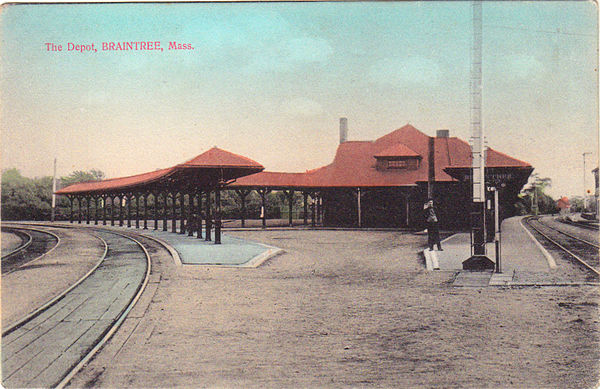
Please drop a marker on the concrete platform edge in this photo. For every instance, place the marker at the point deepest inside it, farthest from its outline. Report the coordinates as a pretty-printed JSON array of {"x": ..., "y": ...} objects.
[
  {"x": 169, "y": 248},
  {"x": 547, "y": 255}
]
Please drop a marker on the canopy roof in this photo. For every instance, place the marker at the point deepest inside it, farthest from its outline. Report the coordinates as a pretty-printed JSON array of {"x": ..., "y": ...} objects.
[
  {"x": 354, "y": 164},
  {"x": 205, "y": 170}
]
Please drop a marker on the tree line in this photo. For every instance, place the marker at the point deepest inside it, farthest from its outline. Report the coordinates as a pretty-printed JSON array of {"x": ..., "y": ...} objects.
[{"x": 26, "y": 198}]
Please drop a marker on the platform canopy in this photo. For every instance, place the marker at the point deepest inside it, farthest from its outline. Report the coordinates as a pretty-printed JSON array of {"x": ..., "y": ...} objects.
[{"x": 209, "y": 169}]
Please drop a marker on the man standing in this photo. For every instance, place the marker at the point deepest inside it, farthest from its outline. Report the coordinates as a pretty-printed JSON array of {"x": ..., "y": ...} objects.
[{"x": 433, "y": 230}]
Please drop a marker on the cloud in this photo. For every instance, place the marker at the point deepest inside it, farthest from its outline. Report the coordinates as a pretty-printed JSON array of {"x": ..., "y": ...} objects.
[
  {"x": 412, "y": 70},
  {"x": 289, "y": 54},
  {"x": 523, "y": 67},
  {"x": 308, "y": 50},
  {"x": 301, "y": 106}
]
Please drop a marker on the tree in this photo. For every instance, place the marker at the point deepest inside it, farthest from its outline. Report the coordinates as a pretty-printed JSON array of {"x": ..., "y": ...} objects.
[
  {"x": 82, "y": 176},
  {"x": 533, "y": 198},
  {"x": 26, "y": 198}
]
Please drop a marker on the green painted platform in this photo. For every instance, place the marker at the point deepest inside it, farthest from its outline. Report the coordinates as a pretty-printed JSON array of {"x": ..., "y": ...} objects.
[{"x": 231, "y": 252}]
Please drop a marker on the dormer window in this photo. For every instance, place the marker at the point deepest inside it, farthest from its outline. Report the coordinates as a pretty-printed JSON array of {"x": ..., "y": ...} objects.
[
  {"x": 397, "y": 164},
  {"x": 397, "y": 157}
]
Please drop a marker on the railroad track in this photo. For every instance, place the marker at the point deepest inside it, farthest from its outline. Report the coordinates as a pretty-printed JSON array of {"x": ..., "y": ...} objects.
[
  {"x": 26, "y": 240},
  {"x": 37, "y": 243},
  {"x": 587, "y": 226},
  {"x": 49, "y": 346},
  {"x": 583, "y": 251}
]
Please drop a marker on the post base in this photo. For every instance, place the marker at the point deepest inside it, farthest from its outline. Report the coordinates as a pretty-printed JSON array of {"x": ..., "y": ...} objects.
[{"x": 478, "y": 262}]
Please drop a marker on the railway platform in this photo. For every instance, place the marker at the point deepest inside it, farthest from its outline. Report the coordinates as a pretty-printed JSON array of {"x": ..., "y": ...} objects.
[
  {"x": 234, "y": 252},
  {"x": 520, "y": 253}
]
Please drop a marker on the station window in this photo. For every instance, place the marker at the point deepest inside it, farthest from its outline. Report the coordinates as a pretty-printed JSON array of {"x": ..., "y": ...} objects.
[{"x": 397, "y": 164}]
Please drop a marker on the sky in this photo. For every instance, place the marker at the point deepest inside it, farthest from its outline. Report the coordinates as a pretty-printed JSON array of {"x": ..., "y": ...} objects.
[{"x": 270, "y": 81}]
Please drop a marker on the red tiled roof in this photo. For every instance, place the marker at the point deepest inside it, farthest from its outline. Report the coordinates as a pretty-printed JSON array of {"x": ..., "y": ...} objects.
[
  {"x": 214, "y": 158},
  {"x": 354, "y": 163},
  {"x": 116, "y": 183},
  {"x": 273, "y": 179},
  {"x": 397, "y": 150}
]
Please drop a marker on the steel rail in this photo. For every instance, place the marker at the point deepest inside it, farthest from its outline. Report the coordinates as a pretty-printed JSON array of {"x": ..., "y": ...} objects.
[
  {"x": 569, "y": 235},
  {"x": 579, "y": 259},
  {"x": 587, "y": 226},
  {"x": 58, "y": 241},
  {"x": 22, "y": 247},
  {"x": 60, "y": 296},
  {"x": 115, "y": 326}
]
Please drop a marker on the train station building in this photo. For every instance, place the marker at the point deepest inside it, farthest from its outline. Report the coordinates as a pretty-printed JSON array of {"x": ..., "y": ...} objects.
[
  {"x": 384, "y": 183},
  {"x": 379, "y": 183}
]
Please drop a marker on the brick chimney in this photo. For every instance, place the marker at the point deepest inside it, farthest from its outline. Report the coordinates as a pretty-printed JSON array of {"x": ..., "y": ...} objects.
[
  {"x": 442, "y": 133},
  {"x": 343, "y": 130}
]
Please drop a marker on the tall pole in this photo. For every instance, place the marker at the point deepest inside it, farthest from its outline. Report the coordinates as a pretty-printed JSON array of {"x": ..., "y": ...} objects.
[
  {"x": 358, "y": 206},
  {"x": 584, "y": 189},
  {"x": 478, "y": 260},
  {"x": 52, "y": 212}
]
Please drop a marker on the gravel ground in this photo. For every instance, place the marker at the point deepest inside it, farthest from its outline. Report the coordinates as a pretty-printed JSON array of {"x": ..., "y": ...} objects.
[
  {"x": 348, "y": 309},
  {"x": 10, "y": 242},
  {"x": 32, "y": 285}
]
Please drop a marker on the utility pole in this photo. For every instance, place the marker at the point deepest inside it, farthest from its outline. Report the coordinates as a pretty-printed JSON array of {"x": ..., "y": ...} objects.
[
  {"x": 584, "y": 188},
  {"x": 53, "y": 210},
  {"x": 478, "y": 259}
]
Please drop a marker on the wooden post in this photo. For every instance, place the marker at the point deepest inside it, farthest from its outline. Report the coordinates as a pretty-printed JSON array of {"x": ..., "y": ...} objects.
[
  {"x": 165, "y": 196},
  {"x": 207, "y": 235},
  {"x": 243, "y": 193},
  {"x": 71, "y": 204},
  {"x": 79, "y": 210},
  {"x": 137, "y": 210},
  {"x": 407, "y": 210},
  {"x": 199, "y": 216},
  {"x": 87, "y": 205},
  {"x": 120, "y": 197},
  {"x": 358, "y": 207},
  {"x": 112, "y": 210},
  {"x": 174, "y": 208},
  {"x": 290, "y": 196},
  {"x": 128, "y": 199},
  {"x": 103, "y": 210},
  {"x": 145, "y": 197},
  {"x": 96, "y": 211},
  {"x": 305, "y": 194},
  {"x": 190, "y": 215},
  {"x": 319, "y": 209},
  {"x": 312, "y": 206},
  {"x": 218, "y": 215},
  {"x": 155, "y": 197},
  {"x": 182, "y": 209}
]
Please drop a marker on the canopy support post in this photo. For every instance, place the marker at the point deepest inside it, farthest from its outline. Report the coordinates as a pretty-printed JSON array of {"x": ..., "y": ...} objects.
[
  {"x": 199, "y": 215},
  {"x": 174, "y": 209},
  {"x": 182, "y": 211},
  {"x": 208, "y": 227},
  {"x": 71, "y": 205},
  {"x": 87, "y": 205},
  {"x": 96, "y": 210},
  {"x": 290, "y": 196},
  {"x": 305, "y": 195},
  {"x": 218, "y": 215}
]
